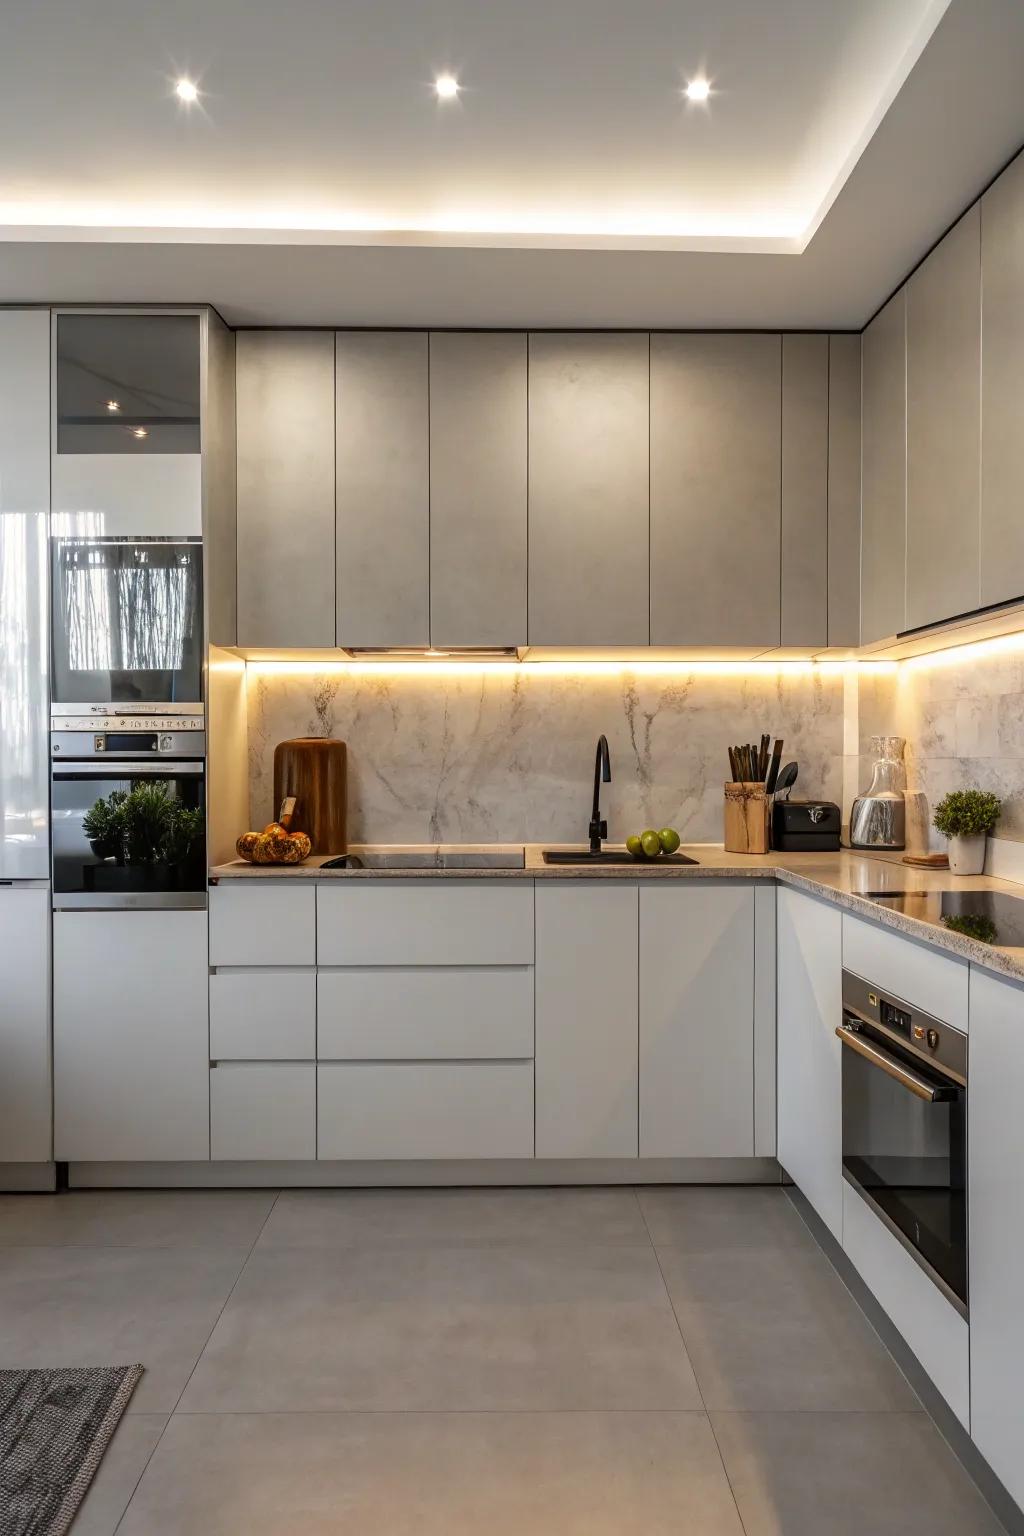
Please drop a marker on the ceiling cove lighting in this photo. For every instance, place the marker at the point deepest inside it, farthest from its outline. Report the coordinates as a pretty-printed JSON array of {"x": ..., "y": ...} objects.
[
  {"x": 698, "y": 89},
  {"x": 139, "y": 432},
  {"x": 395, "y": 667},
  {"x": 113, "y": 405},
  {"x": 447, "y": 87},
  {"x": 186, "y": 90}
]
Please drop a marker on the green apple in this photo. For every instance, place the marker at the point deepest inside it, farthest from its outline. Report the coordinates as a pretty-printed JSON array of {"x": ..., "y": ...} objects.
[
  {"x": 650, "y": 842},
  {"x": 634, "y": 846},
  {"x": 669, "y": 839}
]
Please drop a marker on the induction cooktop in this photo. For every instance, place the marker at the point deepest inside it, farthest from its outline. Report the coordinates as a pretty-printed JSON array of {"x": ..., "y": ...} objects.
[{"x": 991, "y": 917}]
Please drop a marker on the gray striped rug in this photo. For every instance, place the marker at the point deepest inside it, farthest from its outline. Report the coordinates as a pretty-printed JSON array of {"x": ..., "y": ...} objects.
[{"x": 54, "y": 1428}]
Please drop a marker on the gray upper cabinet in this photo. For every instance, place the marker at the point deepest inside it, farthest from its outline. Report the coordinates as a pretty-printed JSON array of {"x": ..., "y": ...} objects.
[
  {"x": 716, "y": 470},
  {"x": 843, "y": 490},
  {"x": 285, "y": 435},
  {"x": 383, "y": 488},
  {"x": 1002, "y": 398},
  {"x": 944, "y": 427},
  {"x": 477, "y": 488},
  {"x": 588, "y": 489},
  {"x": 805, "y": 490},
  {"x": 24, "y": 410},
  {"x": 884, "y": 473}
]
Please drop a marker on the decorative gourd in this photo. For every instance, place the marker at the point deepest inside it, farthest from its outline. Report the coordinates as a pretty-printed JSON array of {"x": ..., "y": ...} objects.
[
  {"x": 273, "y": 846},
  {"x": 245, "y": 845}
]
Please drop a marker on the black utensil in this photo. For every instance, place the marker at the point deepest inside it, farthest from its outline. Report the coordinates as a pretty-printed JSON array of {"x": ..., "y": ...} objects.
[
  {"x": 773, "y": 766},
  {"x": 787, "y": 778}
]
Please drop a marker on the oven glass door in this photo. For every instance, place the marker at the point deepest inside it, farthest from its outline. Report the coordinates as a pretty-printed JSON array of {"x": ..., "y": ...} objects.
[
  {"x": 128, "y": 834},
  {"x": 907, "y": 1154},
  {"x": 127, "y": 621}
]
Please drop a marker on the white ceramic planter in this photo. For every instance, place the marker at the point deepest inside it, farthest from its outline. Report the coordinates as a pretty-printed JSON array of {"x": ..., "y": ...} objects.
[{"x": 967, "y": 855}]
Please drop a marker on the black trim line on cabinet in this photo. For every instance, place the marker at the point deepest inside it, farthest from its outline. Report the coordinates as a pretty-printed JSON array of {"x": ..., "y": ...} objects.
[{"x": 955, "y": 618}]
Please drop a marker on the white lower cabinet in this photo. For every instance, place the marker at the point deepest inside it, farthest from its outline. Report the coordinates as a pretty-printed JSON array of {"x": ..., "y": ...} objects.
[
  {"x": 586, "y": 1001},
  {"x": 425, "y": 1012},
  {"x": 398, "y": 1110},
  {"x": 809, "y": 1087},
  {"x": 263, "y": 1015},
  {"x": 995, "y": 1172},
  {"x": 263, "y": 1111},
  {"x": 697, "y": 1019},
  {"x": 25, "y": 1132},
  {"x": 131, "y": 1056}
]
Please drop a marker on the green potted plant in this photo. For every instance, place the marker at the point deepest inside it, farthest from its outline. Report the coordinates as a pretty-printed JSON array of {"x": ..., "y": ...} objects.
[{"x": 966, "y": 817}]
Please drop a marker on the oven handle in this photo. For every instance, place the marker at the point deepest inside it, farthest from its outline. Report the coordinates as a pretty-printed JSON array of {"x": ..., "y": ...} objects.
[
  {"x": 126, "y": 768},
  {"x": 851, "y": 1037}
]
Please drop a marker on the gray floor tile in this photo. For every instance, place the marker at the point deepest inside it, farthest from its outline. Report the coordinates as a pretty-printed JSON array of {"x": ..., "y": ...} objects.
[
  {"x": 774, "y": 1328},
  {"x": 722, "y": 1219},
  {"x": 124, "y": 1462},
  {"x": 445, "y": 1329},
  {"x": 114, "y": 1306},
  {"x": 848, "y": 1474},
  {"x": 131, "y": 1218},
  {"x": 565, "y": 1474},
  {"x": 453, "y": 1218}
]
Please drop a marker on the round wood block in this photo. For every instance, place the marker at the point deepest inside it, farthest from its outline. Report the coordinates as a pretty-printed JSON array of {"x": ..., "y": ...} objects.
[{"x": 315, "y": 770}]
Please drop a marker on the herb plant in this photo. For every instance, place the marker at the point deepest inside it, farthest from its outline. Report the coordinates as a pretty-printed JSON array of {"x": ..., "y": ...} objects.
[
  {"x": 967, "y": 813},
  {"x": 146, "y": 826}
]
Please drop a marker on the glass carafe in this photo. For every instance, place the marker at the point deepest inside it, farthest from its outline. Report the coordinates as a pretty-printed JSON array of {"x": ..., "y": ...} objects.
[{"x": 878, "y": 818}]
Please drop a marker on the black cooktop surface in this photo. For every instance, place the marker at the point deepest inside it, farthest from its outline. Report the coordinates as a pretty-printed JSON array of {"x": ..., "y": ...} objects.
[{"x": 991, "y": 917}]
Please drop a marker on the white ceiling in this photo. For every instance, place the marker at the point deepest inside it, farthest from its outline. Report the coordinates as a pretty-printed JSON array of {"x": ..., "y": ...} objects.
[{"x": 319, "y": 181}]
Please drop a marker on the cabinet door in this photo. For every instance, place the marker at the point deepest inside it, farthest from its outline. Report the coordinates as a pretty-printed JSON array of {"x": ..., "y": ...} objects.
[
  {"x": 1002, "y": 367},
  {"x": 586, "y": 1019},
  {"x": 285, "y": 425},
  {"x": 697, "y": 1019},
  {"x": 25, "y": 1025},
  {"x": 944, "y": 427},
  {"x": 589, "y": 490},
  {"x": 383, "y": 489},
  {"x": 477, "y": 488},
  {"x": 131, "y": 1051},
  {"x": 24, "y": 410},
  {"x": 995, "y": 1165},
  {"x": 716, "y": 467},
  {"x": 883, "y": 589},
  {"x": 805, "y": 490},
  {"x": 810, "y": 1003},
  {"x": 844, "y": 490}
]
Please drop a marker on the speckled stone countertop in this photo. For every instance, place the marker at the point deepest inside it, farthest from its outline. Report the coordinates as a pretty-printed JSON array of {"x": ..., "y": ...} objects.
[{"x": 837, "y": 877}]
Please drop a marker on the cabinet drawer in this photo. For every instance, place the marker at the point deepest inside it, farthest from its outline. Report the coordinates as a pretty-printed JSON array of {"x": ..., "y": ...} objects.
[
  {"x": 390, "y": 1015},
  {"x": 425, "y": 922},
  {"x": 254, "y": 924},
  {"x": 263, "y": 1015},
  {"x": 913, "y": 972},
  {"x": 398, "y": 1110},
  {"x": 263, "y": 1111}
]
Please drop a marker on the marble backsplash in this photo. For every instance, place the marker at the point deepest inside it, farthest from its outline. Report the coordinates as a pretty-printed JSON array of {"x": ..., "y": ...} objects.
[
  {"x": 508, "y": 755},
  {"x": 964, "y": 724}
]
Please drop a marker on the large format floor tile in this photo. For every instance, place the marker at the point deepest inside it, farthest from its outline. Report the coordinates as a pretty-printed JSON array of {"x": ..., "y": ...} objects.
[
  {"x": 777, "y": 1328},
  {"x": 114, "y": 1306},
  {"x": 445, "y": 1329},
  {"x": 124, "y": 1462},
  {"x": 848, "y": 1474},
  {"x": 563, "y": 1474},
  {"x": 727, "y": 1219},
  {"x": 172, "y": 1218},
  {"x": 453, "y": 1218}
]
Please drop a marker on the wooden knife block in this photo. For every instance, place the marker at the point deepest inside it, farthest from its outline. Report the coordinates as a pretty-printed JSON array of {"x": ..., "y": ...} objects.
[
  {"x": 746, "y": 818},
  {"x": 315, "y": 770}
]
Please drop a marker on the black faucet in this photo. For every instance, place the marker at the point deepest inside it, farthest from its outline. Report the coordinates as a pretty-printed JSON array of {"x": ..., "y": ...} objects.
[{"x": 602, "y": 770}]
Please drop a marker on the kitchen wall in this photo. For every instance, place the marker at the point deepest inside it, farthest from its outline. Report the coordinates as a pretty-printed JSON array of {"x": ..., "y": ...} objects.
[
  {"x": 507, "y": 754},
  {"x": 962, "y": 713}
]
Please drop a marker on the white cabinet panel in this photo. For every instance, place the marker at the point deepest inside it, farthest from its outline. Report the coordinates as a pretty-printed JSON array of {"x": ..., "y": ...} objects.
[
  {"x": 25, "y": 1025},
  {"x": 1002, "y": 366},
  {"x": 424, "y": 1013},
  {"x": 883, "y": 591},
  {"x": 697, "y": 1019},
  {"x": 24, "y": 410},
  {"x": 810, "y": 1002},
  {"x": 995, "y": 1171},
  {"x": 425, "y": 922},
  {"x": 130, "y": 1036},
  {"x": 916, "y": 973},
  {"x": 263, "y": 1015},
  {"x": 253, "y": 923},
  {"x": 844, "y": 489},
  {"x": 931, "y": 1325},
  {"x": 765, "y": 970},
  {"x": 439, "y": 1109},
  {"x": 587, "y": 957},
  {"x": 805, "y": 477},
  {"x": 263, "y": 1111}
]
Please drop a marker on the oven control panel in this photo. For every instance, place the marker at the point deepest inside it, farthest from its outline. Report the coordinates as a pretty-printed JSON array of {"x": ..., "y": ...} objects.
[
  {"x": 928, "y": 1038},
  {"x": 138, "y": 739}
]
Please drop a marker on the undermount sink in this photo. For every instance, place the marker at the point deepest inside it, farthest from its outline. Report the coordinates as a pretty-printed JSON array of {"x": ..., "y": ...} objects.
[
  {"x": 608, "y": 856},
  {"x": 436, "y": 858}
]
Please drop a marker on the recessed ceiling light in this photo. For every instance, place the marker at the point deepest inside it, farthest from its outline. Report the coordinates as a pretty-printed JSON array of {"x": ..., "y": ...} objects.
[
  {"x": 186, "y": 90},
  {"x": 447, "y": 87},
  {"x": 698, "y": 90},
  {"x": 113, "y": 405},
  {"x": 139, "y": 432}
]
